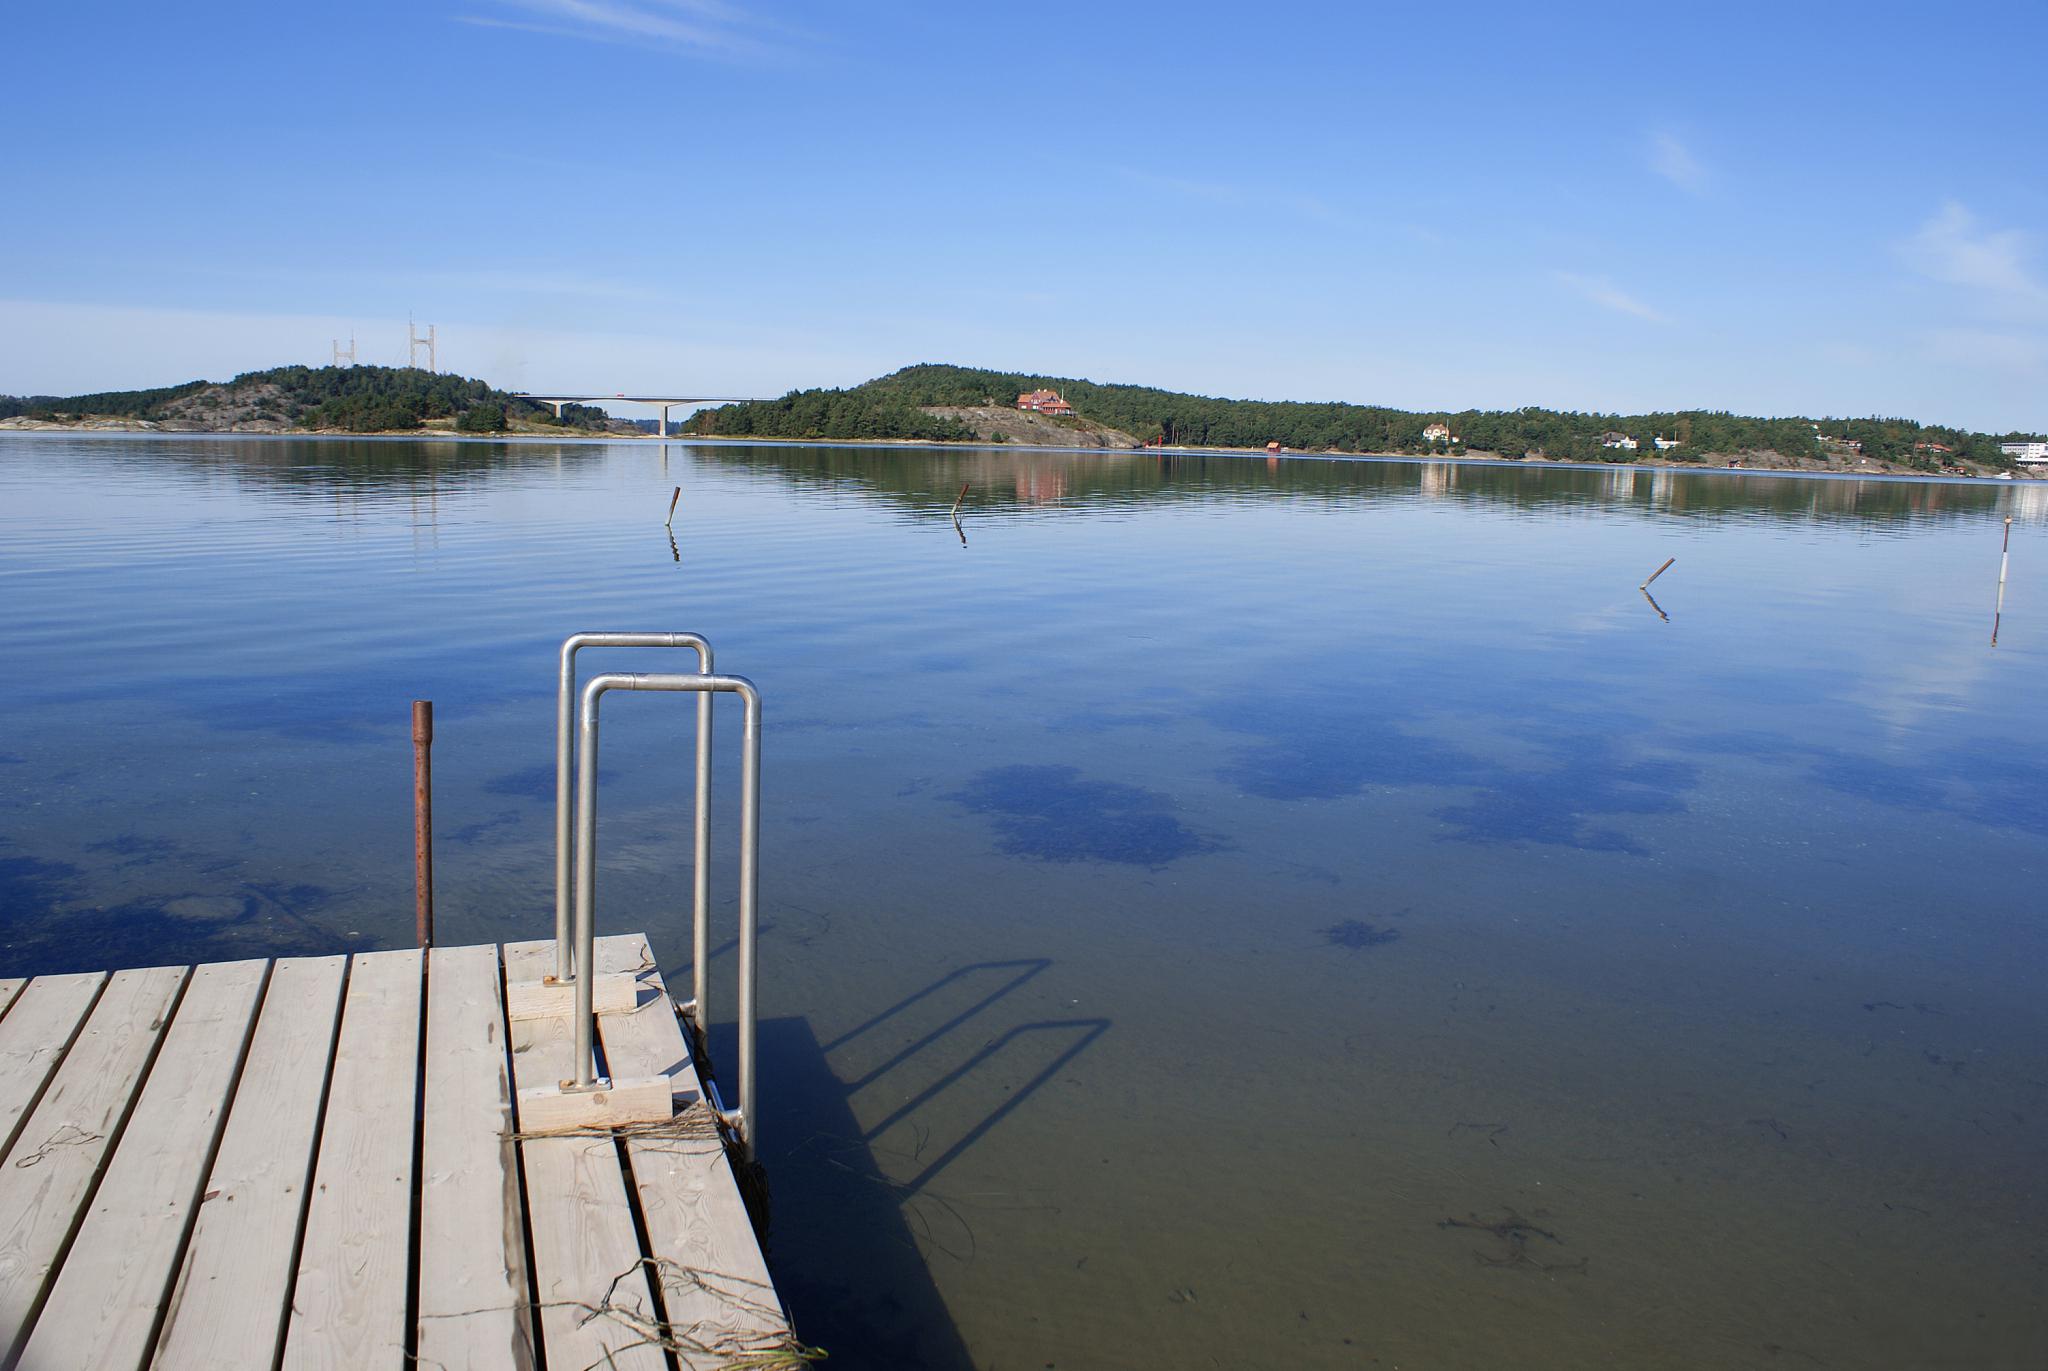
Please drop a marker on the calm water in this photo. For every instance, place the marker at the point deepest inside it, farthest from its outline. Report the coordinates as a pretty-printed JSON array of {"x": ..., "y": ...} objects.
[{"x": 1183, "y": 898}]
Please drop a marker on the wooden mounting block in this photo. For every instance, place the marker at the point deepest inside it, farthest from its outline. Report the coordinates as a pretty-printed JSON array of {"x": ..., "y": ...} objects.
[
  {"x": 549, "y": 998},
  {"x": 612, "y": 1104}
]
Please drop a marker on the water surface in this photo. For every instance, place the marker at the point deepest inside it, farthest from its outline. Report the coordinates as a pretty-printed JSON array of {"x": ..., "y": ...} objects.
[{"x": 1216, "y": 912}]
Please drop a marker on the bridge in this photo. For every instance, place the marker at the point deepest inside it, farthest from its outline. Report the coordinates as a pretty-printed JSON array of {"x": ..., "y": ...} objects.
[{"x": 664, "y": 402}]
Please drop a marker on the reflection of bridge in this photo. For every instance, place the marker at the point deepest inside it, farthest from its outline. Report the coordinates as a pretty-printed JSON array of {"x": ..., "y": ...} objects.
[{"x": 664, "y": 402}]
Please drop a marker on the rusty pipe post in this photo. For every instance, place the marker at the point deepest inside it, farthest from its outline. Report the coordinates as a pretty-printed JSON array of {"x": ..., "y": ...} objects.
[{"x": 423, "y": 820}]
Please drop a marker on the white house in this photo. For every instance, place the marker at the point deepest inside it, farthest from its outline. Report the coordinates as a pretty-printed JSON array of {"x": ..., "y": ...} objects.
[
  {"x": 1618, "y": 440},
  {"x": 2028, "y": 453},
  {"x": 1665, "y": 444},
  {"x": 1437, "y": 433}
]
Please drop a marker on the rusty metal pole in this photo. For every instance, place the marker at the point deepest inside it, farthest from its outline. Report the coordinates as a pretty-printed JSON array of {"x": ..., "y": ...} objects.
[{"x": 423, "y": 820}]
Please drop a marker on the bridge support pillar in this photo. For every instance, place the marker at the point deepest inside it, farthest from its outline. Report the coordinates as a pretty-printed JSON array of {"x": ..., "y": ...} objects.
[{"x": 664, "y": 421}]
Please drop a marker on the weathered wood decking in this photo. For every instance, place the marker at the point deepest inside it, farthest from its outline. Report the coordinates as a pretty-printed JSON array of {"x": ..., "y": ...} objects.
[{"x": 315, "y": 1163}]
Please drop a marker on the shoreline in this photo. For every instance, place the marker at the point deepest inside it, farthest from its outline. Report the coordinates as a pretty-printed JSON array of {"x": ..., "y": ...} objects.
[{"x": 153, "y": 428}]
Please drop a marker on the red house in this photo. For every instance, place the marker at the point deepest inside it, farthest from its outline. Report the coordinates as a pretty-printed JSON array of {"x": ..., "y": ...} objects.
[{"x": 1043, "y": 402}]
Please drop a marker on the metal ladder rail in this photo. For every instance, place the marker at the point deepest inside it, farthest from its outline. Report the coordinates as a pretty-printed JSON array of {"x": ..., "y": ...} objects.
[
  {"x": 741, "y": 1121},
  {"x": 565, "y": 695}
]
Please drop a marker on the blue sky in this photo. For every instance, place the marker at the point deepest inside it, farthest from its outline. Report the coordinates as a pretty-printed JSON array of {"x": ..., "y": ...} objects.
[{"x": 1789, "y": 208}]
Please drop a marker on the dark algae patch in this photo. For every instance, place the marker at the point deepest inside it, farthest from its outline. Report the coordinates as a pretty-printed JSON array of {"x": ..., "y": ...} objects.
[
  {"x": 1320, "y": 748},
  {"x": 1055, "y": 814},
  {"x": 534, "y": 782},
  {"x": 1557, "y": 806},
  {"x": 1521, "y": 1243},
  {"x": 1356, "y": 935},
  {"x": 48, "y": 925}
]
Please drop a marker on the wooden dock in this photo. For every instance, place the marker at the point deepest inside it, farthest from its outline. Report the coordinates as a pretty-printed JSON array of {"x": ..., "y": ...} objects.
[{"x": 315, "y": 1162}]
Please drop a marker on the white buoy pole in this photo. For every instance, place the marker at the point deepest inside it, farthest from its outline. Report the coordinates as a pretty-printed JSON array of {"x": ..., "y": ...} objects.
[{"x": 2004, "y": 559}]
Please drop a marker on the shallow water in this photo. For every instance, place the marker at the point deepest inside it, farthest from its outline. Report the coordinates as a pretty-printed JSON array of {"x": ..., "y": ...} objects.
[{"x": 1221, "y": 913}]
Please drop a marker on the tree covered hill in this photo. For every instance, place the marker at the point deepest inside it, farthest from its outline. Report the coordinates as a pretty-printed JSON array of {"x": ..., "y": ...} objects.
[
  {"x": 894, "y": 406},
  {"x": 359, "y": 399}
]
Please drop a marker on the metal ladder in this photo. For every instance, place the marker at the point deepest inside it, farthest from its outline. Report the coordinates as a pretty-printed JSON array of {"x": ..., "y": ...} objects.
[{"x": 576, "y": 746}]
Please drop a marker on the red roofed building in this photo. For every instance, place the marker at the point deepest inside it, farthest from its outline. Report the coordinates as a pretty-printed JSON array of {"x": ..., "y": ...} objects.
[{"x": 1043, "y": 402}]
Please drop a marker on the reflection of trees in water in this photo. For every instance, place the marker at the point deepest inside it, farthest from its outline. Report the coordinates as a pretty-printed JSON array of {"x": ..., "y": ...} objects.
[
  {"x": 1013, "y": 480},
  {"x": 360, "y": 466},
  {"x": 926, "y": 479}
]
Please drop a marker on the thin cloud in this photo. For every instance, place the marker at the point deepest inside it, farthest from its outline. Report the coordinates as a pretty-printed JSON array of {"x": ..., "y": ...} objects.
[
  {"x": 1673, "y": 161},
  {"x": 1607, "y": 295},
  {"x": 707, "y": 28},
  {"x": 1953, "y": 248},
  {"x": 1983, "y": 348},
  {"x": 1238, "y": 195}
]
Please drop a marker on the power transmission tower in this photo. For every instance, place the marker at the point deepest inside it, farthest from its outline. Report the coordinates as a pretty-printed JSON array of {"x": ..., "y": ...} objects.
[
  {"x": 415, "y": 343},
  {"x": 348, "y": 354}
]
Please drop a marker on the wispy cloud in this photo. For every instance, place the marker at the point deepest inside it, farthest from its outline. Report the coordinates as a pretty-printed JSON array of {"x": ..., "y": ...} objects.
[
  {"x": 709, "y": 28},
  {"x": 1982, "y": 348},
  {"x": 1238, "y": 195},
  {"x": 1674, "y": 161},
  {"x": 1953, "y": 248},
  {"x": 1607, "y": 295}
]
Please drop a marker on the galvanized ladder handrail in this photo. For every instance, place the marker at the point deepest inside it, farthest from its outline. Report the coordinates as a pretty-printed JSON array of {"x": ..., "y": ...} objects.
[
  {"x": 743, "y": 1121},
  {"x": 565, "y": 696}
]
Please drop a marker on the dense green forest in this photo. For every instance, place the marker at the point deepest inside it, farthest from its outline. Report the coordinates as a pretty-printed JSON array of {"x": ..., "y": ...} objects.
[
  {"x": 122, "y": 404},
  {"x": 890, "y": 407},
  {"x": 867, "y": 411},
  {"x": 362, "y": 399}
]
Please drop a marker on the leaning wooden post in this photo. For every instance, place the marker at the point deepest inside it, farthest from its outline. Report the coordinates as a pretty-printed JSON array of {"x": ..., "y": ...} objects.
[{"x": 423, "y": 820}]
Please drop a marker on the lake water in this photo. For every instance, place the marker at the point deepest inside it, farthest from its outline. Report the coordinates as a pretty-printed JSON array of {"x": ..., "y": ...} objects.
[{"x": 1223, "y": 913}]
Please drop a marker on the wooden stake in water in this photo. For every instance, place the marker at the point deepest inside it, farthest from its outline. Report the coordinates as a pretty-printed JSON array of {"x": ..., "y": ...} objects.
[
  {"x": 958, "y": 498},
  {"x": 2004, "y": 557},
  {"x": 1645, "y": 586},
  {"x": 670, "y": 522}
]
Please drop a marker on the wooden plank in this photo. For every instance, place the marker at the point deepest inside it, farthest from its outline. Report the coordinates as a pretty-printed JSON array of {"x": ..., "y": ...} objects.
[
  {"x": 104, "y": 1306},
  {"x": 66, "y": 1142},
  {"x": 348, "y": 1302},
  {"x": 8, "y": 990},
  {"x": 586, "y": 1254},
  {"x": 721, "y": 1302},
  {"x": 227, "y": 1308},
  {"x": 33, "y": 1038},
  {"x": 473, "y": 1307}
]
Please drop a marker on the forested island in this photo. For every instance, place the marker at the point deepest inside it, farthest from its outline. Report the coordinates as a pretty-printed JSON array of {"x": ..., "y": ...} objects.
[
  {"x": 353, "y": 399},
  {"x": 933, "y": 403},
  {"x": 936, "y": 403}
]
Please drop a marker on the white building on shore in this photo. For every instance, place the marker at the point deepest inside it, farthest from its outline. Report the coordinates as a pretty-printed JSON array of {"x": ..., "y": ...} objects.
[{"x": 2027, "y": 454}]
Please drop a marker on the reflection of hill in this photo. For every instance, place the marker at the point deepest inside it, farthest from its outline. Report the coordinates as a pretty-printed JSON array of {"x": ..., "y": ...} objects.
[
  {"x": 356, "y": 465},
  {"x": 923, "y": 478}
]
